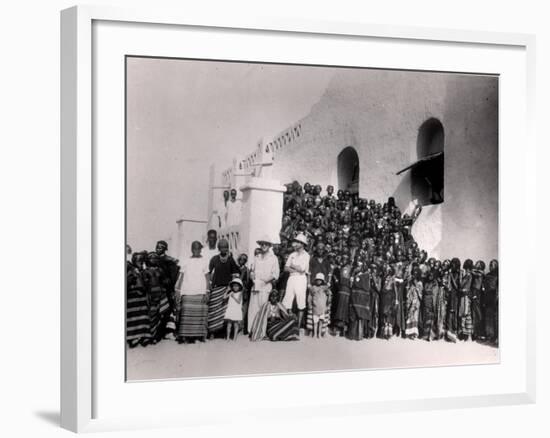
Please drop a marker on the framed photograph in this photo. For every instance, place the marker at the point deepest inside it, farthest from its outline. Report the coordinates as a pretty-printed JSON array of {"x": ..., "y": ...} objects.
[{"x": 253, "y": 205}]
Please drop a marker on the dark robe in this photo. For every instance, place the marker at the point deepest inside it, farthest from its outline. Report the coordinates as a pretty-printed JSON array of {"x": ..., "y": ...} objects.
[
  {"x": 490, "y": 301},
  {"x": 360, "y": 312},
  {"x": 466, "y": 327},
  {"x": 342, "y": 304},
  {"x": 429, "y": 297},
  {"x": 317, "y": 266},
  {"x": 452, "y": 305},
  {"x": 477, "y": 308}
]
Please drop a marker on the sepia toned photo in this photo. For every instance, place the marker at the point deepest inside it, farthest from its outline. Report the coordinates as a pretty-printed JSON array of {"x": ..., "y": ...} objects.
[{"x": 289, "y": 218}]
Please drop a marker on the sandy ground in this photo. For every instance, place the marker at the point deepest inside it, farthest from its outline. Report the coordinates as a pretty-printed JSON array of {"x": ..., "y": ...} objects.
[{"x": 218, "y": 357}]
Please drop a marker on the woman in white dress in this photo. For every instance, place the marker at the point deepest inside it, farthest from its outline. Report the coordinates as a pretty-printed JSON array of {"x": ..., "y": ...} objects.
[{"x": 264, "y": 272}]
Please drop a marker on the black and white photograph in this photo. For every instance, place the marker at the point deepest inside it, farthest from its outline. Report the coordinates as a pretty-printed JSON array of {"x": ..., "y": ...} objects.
[{"x": 287, "y": 218}]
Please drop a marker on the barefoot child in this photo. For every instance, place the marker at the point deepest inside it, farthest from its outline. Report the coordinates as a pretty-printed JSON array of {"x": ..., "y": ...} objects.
[
  {"x": 234, "y": 313},
  {"x": 319, "y": 298}
]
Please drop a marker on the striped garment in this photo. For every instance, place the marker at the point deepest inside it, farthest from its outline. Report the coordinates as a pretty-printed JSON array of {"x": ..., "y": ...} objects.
[
  {"x": 216, "y": 308},
  {"x": 309, "y": 320},
  {"x": 138, "y": 325},
  {"x": 439, "y": 313},
  {"x": 414, "y": 295},
  {"x": 279, "y": 331},
  {"x": 282, "y": 329},
  {"x": 466, "y": 325},
  {"x": 171, "y": 326},
  {"x": 193, "y": 317},
  {"x": 159, "y": 310}
]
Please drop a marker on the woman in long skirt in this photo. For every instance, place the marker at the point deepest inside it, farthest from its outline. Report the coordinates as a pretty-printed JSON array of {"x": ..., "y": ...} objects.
[
  {"x": 477, "y": 297},
  {"x": 466, "y": 327},
  {"x": 159, "y": 306},
  {"x": 360, "y": 301},
  {"x": 491, "y": 302},
  {"x": 223, "y": 269},
  {"x": 414, "y": 298},
  {"x": 371, "y": 330},
  {"x": 341, "y": 313},
  {"x": 399, "y": 308},
  {"x": 440, "y": 310},
  {"x": 138, "y": 325},
  {"x": 191, "y": 288},
  {"x": 388, "y": 298},
  {"x": 454, "y": 279},
  {"x": 429, "y": 296},
  {"x": 264, "y": 274}
]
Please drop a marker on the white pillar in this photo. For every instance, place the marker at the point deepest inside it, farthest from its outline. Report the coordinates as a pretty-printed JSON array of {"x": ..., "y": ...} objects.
[{"x": 262, "y": 212}]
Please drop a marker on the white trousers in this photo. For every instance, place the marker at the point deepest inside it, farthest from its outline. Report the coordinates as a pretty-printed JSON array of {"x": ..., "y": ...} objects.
[{"x": 296, "y": 287}]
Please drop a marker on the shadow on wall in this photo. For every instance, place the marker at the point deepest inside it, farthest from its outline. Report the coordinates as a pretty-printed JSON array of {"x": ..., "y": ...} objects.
[
  {"x": 402, "y": 193},
  {"x": 348, "y": 170},
  {"x": 428, "y": 229}
]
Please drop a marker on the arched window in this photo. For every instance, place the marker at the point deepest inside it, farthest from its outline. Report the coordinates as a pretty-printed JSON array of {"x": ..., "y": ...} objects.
[
  {"x": 348, "y": 170},
  {"x": 427, "y": 173}
]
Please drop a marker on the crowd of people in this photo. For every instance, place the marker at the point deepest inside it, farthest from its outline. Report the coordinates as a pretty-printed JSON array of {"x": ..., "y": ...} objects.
[{"x": 342, "y": 266}]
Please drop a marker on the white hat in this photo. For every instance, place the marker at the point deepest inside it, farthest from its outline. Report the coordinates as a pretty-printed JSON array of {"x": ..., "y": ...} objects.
[
  {"x": 301, "y": 238},
  {"x": 265, "y": 238},
  {"x": 320, "y": 276},
  {"x": 238, "y": 281}
]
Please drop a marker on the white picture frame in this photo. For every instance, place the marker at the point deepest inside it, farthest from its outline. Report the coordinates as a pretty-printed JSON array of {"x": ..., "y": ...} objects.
[{"x": 81, "y": 366}]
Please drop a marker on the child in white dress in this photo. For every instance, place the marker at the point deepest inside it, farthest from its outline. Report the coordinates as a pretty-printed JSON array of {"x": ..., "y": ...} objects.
[{"x": 234, "y": 312}]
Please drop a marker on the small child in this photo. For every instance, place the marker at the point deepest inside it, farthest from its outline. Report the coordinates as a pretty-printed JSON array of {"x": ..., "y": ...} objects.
[
  {"x": 319, "y": 298},
  {"x": 234, "y": 312}
]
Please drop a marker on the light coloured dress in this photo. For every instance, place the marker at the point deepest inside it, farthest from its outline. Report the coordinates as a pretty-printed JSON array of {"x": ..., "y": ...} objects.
[
  {"x": 234, "y": 311},
  {"x": 265, "y": 269}
]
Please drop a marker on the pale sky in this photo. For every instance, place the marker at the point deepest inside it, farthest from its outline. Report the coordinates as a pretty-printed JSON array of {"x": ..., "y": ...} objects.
[{"x": 183, "y": 115}]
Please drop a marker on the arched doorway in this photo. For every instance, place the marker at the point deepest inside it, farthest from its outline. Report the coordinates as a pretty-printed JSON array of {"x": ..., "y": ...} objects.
[
  {"x": 427, "y": 174},
  {"x": 348, "y": 170}
]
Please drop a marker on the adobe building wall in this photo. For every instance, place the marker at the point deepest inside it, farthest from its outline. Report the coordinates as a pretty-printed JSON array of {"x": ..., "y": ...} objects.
[{"x": 379, "y": 113}]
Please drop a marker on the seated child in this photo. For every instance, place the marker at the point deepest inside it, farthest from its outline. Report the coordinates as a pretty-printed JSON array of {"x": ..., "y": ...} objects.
[
  {"x": 319, "y": 299},
  {"x": 273, "y": 322}
]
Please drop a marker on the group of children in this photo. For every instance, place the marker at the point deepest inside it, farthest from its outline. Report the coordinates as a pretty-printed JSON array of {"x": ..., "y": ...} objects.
[
  {"x": 381, "y": 284},
  {"x": 349, "y": 265}
]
